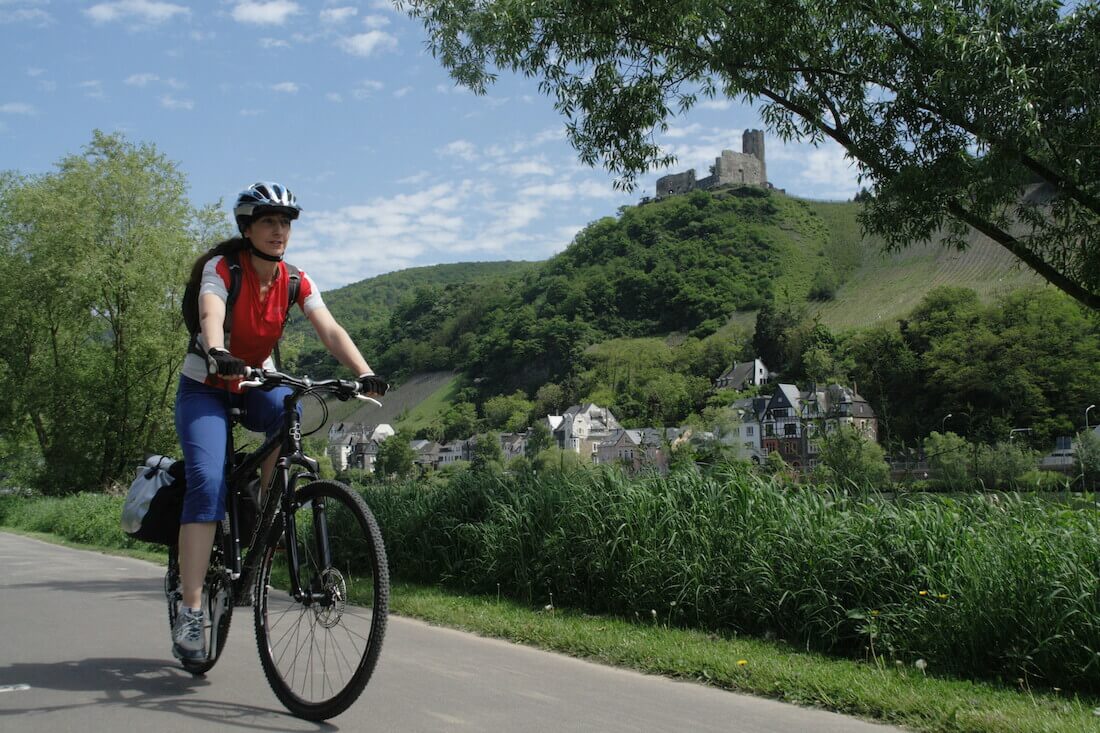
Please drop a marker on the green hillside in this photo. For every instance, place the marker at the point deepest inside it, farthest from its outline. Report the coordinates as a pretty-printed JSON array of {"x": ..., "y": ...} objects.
[
  {"x": 680, "y": 267},
  {"x": 372, "y": 301},
  {"x": 882, "y": 287}
]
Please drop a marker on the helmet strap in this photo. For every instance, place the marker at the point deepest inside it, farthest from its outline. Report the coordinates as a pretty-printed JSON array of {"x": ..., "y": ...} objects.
[{"x": 263, "y": 255}]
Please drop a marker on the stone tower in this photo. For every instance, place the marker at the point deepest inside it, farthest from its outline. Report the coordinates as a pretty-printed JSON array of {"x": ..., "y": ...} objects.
[{"x": 752, "y": 143}]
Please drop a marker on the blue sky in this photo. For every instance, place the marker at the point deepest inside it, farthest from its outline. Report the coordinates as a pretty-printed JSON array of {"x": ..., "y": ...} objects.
[{"x": 394, "y": 165}]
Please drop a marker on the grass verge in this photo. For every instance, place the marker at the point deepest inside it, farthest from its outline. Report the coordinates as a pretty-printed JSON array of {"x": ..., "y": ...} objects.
[{"x": 900, "y": 696}]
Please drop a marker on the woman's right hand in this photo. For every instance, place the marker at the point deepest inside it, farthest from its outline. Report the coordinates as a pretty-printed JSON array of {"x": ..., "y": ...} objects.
[{"x": 220, "y": 362}]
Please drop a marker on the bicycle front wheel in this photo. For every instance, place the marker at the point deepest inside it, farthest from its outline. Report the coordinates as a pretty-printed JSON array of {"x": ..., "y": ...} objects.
[{"x": 319, "y": 645}]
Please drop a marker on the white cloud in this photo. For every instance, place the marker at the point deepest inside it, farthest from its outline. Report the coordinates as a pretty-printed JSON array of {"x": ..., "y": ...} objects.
[
  {"x": 376, "y": 21},
  {"x": 675, "y": 131},
  {"x": 338, "y": 15},
  {"x": 530, "y": 167},
  {"x": 715, "y": 104},
  {"x": 32, "y": 16},
  {"x": 35, "y": 72},
  {"x": 286, "y": 87},
  {"x": 367, "y": 88},
  {"x": 402, "y": 91},
  {"x": 93, "y": 89},
  {"x": 364, "y": 44},
  {"x": 828, "y": 172},
  {"x": 463, "y": 149},
  {"x": 170, "y": 102},
  {"x": 144, "y": 11},
  {"x": 381, "y": 235},
  {"x": 415, "y": 178},
  {"x": 274, "y": 43},
  {"x": 141, "y": 80},
  {"x": 16, "y": 108},
  {"x": 251, "y": 112},
  {"x": 452, "y": 89},
  {"x": 334, "y": 97},
  {"x": 275, "y": 12}
]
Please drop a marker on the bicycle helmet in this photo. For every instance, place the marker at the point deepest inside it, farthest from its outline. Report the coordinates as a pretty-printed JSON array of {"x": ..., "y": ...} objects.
[{"x": 264, "y": 198}]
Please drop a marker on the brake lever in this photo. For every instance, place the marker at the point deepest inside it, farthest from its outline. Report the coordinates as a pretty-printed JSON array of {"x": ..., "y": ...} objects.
[
  {"x": 250, "y": 383},
  {"x": 368, "y": 399}
]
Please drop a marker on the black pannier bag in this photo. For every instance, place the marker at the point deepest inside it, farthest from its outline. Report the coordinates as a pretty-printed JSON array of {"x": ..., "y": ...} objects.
[{"x": 155, "y": 501}]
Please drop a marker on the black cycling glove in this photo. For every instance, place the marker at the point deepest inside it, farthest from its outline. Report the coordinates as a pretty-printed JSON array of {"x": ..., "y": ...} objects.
[
  {"x": 219, "y": 361},
  {"x": 372, "y": 384}
]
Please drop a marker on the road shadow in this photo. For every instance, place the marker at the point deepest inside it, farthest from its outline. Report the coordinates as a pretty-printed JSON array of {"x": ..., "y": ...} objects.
[
  {"x": 121, "y": 588},
  {"x": 148, "y": 684}
]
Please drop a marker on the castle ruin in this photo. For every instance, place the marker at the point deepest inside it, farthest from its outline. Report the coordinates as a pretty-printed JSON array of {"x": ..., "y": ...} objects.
[{"x": 745, "y": 168}]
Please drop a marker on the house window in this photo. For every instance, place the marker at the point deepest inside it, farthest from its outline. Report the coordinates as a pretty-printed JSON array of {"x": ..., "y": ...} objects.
[
  {"x": 748, "y": 430},
  {"x": 735, "y": 432},
  {"x": 790, "y": 429},
  {"x": 769, "y": 429}
]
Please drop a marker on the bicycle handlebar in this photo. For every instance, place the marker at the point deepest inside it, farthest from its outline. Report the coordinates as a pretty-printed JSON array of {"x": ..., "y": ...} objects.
[{"x": 343, "y": 389}]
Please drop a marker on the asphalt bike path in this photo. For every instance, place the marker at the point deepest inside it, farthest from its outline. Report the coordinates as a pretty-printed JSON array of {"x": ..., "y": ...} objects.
[{"x": 84, "y": 646}]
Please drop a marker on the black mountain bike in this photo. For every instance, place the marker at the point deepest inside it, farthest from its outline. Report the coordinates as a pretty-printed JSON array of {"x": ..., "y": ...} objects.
[{"x": 310, "y": 562}]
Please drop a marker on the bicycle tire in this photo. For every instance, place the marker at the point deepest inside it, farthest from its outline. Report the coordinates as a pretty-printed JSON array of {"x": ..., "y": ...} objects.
[
  {"x": 341, "y": 637},
  {"x": 217, "y": 580}
]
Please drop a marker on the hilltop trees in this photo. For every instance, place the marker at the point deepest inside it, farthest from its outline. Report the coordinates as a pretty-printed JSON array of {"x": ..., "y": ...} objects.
[
  {"x": 95, "y": 257},
  {"x": 958, "y": 114}
]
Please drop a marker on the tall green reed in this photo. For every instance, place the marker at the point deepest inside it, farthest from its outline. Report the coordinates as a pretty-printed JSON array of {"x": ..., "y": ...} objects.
[{"x": 1001, "y": 587}]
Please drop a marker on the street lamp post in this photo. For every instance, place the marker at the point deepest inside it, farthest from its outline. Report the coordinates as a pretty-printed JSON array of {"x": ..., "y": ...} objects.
[
  {"x": 1087, "y": 417},
  {"x": 943, "y": 422}
]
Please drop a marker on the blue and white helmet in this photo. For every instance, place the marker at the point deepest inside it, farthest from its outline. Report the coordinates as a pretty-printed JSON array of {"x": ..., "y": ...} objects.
[{"x": 264, "y": 198}]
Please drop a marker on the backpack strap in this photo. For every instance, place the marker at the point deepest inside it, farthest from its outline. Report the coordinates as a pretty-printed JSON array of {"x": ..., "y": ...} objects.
[
  {"x": 232, "y": 259},
  {"x": 293, "y": 285}
]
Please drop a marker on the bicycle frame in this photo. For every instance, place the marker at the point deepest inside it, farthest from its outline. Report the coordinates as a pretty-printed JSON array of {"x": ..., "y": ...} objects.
[{"x": 279, "y": 500}]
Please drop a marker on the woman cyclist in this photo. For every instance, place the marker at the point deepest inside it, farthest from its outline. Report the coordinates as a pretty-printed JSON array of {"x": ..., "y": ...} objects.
[{"x": 209, "y": 385}]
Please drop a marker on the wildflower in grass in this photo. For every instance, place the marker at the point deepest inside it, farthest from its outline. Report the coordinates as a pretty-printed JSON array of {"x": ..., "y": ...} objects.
[
  {"x": 942, "y": 596},
  {"x": 921, "y": 665},
  {"x": 922, "y": 593},
  {"x": 742, "y": 662},
  {"x": 874, "y": 613}
]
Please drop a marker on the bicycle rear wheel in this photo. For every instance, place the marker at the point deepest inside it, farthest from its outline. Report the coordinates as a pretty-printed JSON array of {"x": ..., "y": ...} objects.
[
  {"x": 318, "y": 650},
  {"x": 217, "y": 603}
]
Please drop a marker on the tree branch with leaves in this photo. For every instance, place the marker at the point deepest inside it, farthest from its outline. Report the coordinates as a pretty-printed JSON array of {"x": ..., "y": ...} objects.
[{"x": 962, "y": 116}]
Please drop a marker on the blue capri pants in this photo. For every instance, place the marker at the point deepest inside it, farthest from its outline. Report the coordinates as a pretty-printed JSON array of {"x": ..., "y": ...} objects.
[{"x": 202, "y": 419}]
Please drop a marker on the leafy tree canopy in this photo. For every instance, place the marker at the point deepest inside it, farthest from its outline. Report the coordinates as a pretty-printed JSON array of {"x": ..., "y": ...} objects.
[{"x": 958, "y": 114}]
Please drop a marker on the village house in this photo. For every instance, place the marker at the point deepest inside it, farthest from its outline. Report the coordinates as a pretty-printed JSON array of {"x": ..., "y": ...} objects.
[
  {"x": 513, "y": 445},
  {"x": 355, "y": 445},
  {"x": 638, "y": 448},
  {"x": 793, "y": 421},
  {"x": 743, "y": 375},
  {"x": 455, "y": 450},
  {"x": 581, "y": 428},
  {"x": 427, "y": 454},
  {"x": 745, "y": 437}
]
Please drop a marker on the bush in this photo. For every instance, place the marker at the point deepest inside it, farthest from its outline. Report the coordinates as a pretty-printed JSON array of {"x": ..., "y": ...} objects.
[
  {"x": 848, "y": 460},
  {"x": 1000, "y": 466},
  {"x": 949, "y": 456}
]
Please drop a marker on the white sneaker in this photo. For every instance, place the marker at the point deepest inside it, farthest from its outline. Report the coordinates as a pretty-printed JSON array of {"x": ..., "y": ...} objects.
[{"x": 188, "y": 636}]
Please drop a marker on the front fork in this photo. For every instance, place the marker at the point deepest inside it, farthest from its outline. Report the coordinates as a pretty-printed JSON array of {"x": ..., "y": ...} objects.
[{"x": 307, "y": 590}]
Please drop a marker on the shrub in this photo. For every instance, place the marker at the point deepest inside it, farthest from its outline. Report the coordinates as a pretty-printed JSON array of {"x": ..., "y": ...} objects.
[{"x": 848, "y": 460}]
